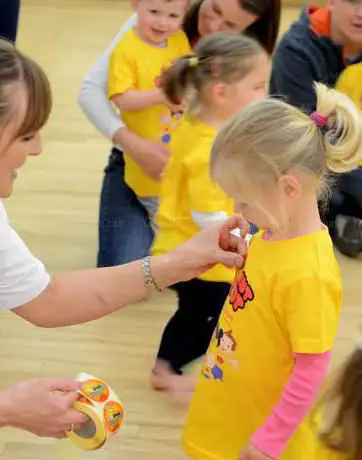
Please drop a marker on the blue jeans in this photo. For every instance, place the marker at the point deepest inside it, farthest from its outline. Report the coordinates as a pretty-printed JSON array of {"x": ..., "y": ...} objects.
[{"x": 124, "y": 229}]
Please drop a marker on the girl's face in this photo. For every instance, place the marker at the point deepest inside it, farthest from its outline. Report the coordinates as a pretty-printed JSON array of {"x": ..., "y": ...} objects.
[
  {"x": 223, "y": 16},
  {"x": 230, "y": 98},
  {"x": 15, "y": 150},
  {"x": 270, "y": 207},
  {"x": 252, "y": 87}
]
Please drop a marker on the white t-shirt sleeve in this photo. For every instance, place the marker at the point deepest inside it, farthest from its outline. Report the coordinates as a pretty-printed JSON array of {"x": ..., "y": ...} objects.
[
  {"x": 22, "y": 276},
  {"x": 92, "y": 96}
]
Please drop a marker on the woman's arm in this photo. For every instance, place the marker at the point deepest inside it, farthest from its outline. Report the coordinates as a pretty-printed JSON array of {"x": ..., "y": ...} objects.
[
  {"x": 92, "y": 96},
  {"x": 298, "y": 397},
  {"x": 78, "y": 297}
]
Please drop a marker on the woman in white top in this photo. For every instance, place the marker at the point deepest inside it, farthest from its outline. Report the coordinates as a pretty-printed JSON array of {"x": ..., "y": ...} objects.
[
  {"x": 124, "y": 231},
  {"x": 26, "y": 287}
]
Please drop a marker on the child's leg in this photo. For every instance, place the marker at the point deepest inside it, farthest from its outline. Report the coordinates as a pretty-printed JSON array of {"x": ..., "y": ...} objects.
[{"x": 188, "y": 333}]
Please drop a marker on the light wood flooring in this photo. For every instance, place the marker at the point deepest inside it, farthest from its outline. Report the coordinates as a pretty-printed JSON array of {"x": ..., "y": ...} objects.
[{"x": 55, "y": 209}]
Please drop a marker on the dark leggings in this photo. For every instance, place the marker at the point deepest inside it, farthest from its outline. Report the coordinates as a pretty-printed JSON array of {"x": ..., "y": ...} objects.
[
  {"x": 189, "y": 331},
  {"x": 9, "y": 17}
]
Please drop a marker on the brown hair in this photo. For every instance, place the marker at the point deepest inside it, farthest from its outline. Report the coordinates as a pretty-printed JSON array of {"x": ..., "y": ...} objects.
[
  {"x": 218, "y": 57},
  {"x": 265, "y": 29},
  {"x": 341, "y": 407},
  {"x": 17, "y": 69},
  {"x": 270, "y": 138}
]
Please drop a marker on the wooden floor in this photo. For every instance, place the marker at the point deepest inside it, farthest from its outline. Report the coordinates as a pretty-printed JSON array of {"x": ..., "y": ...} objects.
[{"x": 55, "y": 210}]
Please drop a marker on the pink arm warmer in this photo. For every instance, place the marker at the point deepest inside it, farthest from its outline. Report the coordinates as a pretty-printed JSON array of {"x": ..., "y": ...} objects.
[{"x": 298, "y": 397}]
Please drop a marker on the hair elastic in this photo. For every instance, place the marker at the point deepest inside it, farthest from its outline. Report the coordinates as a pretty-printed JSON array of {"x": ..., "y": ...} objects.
[
  {"x": 319, "y": 119},
  {"x": 193, "y": 61}
]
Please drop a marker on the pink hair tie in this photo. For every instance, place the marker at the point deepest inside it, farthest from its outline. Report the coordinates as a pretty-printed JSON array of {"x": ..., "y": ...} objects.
[{"x": 319, "y": 119}]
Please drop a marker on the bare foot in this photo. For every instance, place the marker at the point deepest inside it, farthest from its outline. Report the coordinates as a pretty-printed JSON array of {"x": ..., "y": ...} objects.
[
  {"x": 181, "y": 387},
  {"x": 160, "y": 376}
]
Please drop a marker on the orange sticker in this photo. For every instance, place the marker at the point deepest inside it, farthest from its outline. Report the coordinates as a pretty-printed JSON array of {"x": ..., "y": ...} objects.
[
  {"x": 84, "y": 400},
  {"x": 113, "y": 416},
  {"x": 95, "y": 389}
]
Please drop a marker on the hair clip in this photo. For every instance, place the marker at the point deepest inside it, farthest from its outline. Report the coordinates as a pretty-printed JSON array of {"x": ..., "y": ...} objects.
[
  {"x": 193, "y": 61},
  {"x": 319, "y": 119}
]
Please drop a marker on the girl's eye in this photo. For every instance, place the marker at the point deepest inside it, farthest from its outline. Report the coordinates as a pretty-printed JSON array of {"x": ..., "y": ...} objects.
[{"x": 28, "y": 138}]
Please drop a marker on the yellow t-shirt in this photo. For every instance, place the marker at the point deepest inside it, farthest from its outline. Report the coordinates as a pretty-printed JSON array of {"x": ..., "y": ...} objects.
[
  {"x": 350, "y": 83},
  {"x": 187, "y": 186},
  {"x": 287, "y": 300},
  {"x": 136, "y": 65}
]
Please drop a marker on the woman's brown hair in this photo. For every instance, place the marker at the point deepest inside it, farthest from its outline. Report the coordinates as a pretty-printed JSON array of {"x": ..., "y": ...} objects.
[
  {"x": 341, "y": 407},
  {"x": 18, "y": 70},
  {"x": 219, "y": 57},
  {"x": 265, "y": 29}
]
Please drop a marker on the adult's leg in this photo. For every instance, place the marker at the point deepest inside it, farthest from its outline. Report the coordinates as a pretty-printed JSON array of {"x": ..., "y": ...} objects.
[
  {"x": 9, "y": 18},
  {"x": 124, "y": 230},
  {"x": 344, "y": 213},
  {"x": 188, "y": 333}
]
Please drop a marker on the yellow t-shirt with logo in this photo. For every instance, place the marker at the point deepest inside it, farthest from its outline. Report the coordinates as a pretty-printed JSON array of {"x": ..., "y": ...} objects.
[
  {"x": 187, "y": 186},
  {"x": 350, "y": 83},
  {"x": 136, "y": 65},
  {"x": 286, "y": 300}
]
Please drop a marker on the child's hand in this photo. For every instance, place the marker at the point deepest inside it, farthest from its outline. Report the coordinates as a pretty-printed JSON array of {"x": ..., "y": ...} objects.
[
  {"x": 252, "y": 453},
  {"x": 173, "y": 107}
]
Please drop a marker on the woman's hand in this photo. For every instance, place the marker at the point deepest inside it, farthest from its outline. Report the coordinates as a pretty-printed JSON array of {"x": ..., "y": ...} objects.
[
  {"x": 151, "y": 156},
  {"x": 215, "y": 244},
  {"x": 42, "y": 407},
  {"x": 252, "y": 453}
]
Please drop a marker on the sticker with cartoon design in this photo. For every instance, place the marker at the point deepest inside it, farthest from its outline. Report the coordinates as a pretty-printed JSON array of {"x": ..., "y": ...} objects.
[
  {"x": 84, "y": 400},
  {"x": 95, "y": 389},
  {"x": 215, "y": 360},
  {"x": 113, "y": 416},
  {"x": 169, "y": 123},
  {"x": 241, "y": 292}
]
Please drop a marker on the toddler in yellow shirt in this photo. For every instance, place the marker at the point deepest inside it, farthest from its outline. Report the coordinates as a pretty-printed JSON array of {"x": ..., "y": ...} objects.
[
  {"x": 136, "y": 65},
  {"x": 227, "y": 72},
  {"x": 269, "y": 356}
]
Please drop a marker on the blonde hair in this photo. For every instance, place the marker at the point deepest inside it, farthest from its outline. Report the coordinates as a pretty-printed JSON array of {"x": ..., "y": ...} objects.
[
  {"x": 341, "y": 409},
  {"x": 270, "y": 138},
  {"x": 219, "y": 57}
]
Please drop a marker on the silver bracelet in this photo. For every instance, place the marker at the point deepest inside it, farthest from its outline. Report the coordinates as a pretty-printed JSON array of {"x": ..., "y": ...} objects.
[{"x": 147, "y": 274}]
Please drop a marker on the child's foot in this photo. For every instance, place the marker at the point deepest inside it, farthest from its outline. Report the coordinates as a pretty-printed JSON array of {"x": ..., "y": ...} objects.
[
  {"x": 181, "y": 387},
  {"x": 160, "y": 376}
]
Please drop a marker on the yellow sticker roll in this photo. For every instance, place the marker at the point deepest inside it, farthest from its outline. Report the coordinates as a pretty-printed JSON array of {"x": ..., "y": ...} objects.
[{"x": 104, "y": 410}]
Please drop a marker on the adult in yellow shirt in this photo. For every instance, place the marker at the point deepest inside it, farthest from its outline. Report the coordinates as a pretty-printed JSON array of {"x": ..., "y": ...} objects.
[{"x": 136, "y": 64}]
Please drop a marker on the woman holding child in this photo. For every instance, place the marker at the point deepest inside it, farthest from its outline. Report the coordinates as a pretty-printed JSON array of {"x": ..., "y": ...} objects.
[{"x": 124, "y": 230}]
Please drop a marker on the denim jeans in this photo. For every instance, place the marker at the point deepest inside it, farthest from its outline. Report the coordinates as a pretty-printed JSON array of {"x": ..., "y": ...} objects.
[{"x": 124, "y": 232}]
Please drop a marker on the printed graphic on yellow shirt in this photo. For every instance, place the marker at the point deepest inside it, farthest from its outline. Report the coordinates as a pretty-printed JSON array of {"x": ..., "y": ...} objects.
[
  {"x": 241, "y": 292},
  {"x": 170, "y": 121},
  {"x": 221, "y": 352}
]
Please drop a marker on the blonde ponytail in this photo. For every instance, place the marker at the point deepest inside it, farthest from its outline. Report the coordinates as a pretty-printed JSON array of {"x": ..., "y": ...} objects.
[
  {"x": 270, "y": 138},
  {"x": 343, "y": 138}
]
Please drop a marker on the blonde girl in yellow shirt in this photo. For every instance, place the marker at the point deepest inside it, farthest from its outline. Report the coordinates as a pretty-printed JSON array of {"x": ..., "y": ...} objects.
[
  {"x": 271, "y": 349},
  {"x": 227, "y": 72}
]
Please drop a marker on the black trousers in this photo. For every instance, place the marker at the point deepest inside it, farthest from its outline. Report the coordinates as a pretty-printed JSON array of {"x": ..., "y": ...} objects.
[
  {"x": 189, "y": 331},
  {"x": 9, "y": 17}
]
